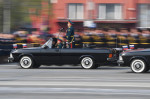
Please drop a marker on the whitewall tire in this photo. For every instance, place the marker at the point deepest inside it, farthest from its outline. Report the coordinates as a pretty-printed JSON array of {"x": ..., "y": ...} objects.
[
  {"x": 26, "y": 62},
  {"x": 138, "y": 66},
  {"x": 88, "y": 63}
]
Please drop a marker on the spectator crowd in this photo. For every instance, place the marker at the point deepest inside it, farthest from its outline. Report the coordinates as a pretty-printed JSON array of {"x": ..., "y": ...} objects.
[{"x": 97, "y": 37}]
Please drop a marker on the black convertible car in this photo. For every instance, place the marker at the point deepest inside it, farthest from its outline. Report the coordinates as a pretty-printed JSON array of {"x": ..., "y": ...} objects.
[
  {"x": 138, "y": 60},
  {"x": 48, "y": 55}
]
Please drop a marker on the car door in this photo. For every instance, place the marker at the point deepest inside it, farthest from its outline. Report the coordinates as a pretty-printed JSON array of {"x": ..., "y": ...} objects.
[
  {"x": 70, "y": 56},
  {"x": 50, "y": 56}
]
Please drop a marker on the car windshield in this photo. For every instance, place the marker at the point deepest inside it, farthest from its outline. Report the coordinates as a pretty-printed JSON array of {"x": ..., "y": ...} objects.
[{"x": 48, "y": 43}]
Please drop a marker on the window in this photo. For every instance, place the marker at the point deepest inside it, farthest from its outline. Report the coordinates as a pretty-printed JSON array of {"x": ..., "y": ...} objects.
[
  {"x": 110, "y": 11},
  {"x": 75, "y": 11},
  {"x": 143, "y": 15}
]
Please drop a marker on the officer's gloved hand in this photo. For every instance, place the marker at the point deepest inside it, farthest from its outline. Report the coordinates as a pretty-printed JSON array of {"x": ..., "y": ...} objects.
[{"x": 67, "y": 44}]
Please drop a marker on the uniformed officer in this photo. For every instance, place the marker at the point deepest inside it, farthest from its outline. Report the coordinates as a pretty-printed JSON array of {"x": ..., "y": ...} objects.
[
  {"x": 134, "y": 37},
  {"x": 59, "y": 43},
  {"x": 145, "y": 38},
  {"x": 70, "y": 36},
  {"x": 111, "y": 38},
  {"x": 123, "y": 37}
]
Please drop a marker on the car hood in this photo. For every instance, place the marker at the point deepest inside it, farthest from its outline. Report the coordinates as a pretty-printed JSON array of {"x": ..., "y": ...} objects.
[
  {"x": 32, "y": 49},
  {"x": 137, "y": 51}
]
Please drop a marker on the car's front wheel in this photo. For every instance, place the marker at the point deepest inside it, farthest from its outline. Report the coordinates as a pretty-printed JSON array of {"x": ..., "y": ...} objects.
[
  {"x": 138, "y": 66},
  {"x": 26, "y": 62},
  {"x": 88, "y": 63}
]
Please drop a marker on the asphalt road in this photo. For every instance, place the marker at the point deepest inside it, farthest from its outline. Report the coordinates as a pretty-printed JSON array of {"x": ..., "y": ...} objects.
[{"x": 68, "y": 82}]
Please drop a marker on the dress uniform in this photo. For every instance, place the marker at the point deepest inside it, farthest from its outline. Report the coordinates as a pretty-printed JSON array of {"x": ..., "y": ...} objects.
[
  {"x": 123, "y": 37},
  {"x": 78, "y": 40},
  {"x": 133, "y": 37},
  {"x": 111, "y": 38},
  {"x": 59, "y": 43},
  {"x": 145, "y": 39},
  {"x": 70, "y": 35}
]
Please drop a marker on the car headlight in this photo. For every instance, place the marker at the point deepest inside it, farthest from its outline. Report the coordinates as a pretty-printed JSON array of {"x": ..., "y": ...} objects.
[
  {"x": 11, "y": 55},
  {"x": 120, "y": 58}
]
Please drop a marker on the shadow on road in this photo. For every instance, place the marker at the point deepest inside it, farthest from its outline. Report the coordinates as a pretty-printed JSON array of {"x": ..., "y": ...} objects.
[
  {"x": 138, "y": 73},
  {"x": 71, "y": 67},
  {"x": 78, "y": 67}
]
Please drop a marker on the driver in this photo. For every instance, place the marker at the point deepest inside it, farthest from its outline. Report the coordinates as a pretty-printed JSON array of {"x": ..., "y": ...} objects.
[
  {"x": 54, "y": 43},
  {"x": 59, "y": 43}
]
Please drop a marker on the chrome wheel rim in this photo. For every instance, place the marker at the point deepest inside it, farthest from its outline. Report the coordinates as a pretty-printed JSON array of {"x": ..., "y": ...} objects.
[
  {"x": 26, "y": 62},
  {"x": 87, "y": 62},
  {"x": 138, "y": 66}
]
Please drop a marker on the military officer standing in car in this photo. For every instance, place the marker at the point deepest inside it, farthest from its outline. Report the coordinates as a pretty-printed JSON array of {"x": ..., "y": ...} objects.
[{"x": 70, "y": 36}]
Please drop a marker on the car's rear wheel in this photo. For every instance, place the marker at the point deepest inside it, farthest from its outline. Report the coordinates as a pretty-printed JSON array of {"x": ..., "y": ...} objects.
[
  {"x": 26, "y": 62},
  {"x": 88, "y": 63},
  {"x": 138, "y": 66}
]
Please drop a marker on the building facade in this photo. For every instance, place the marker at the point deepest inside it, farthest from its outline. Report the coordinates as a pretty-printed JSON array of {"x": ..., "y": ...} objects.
[{"x": 105, "y": 13}]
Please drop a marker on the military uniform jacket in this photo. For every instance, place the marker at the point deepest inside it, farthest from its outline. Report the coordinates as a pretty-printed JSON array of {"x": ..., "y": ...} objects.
[{"x": 70, "y": 35}]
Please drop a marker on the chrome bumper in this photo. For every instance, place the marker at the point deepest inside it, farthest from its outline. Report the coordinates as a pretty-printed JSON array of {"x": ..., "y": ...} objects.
[
  {"x": 111, "y": 59},
  {"x": 120, "y": 62},
  {"x": 10, "y": 59}
]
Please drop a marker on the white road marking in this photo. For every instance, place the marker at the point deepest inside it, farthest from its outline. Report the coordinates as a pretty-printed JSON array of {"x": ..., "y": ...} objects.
[
  {"x": 74, "y": 90},
  {"x": 86, "y": 84}
]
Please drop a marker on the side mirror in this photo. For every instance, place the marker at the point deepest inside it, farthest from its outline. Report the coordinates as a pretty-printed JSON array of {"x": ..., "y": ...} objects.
[{"x": 45, "y": 47}]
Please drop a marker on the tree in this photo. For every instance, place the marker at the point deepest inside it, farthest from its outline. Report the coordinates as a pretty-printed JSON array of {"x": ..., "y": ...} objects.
[{"x": 20, "y": 12}]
